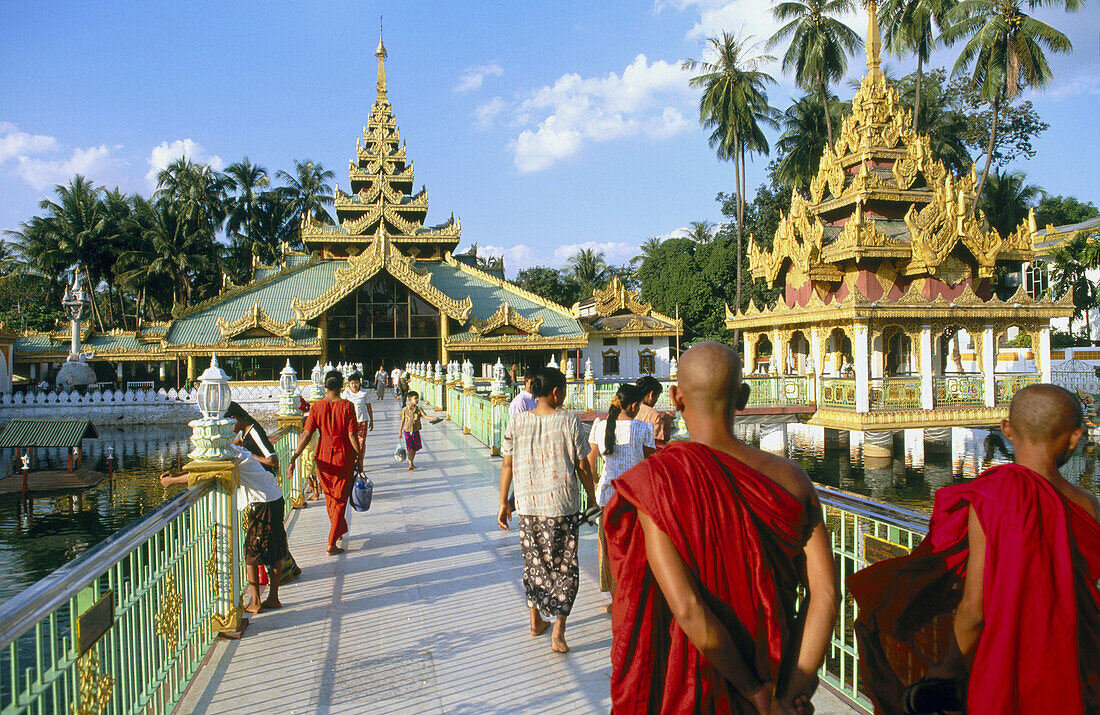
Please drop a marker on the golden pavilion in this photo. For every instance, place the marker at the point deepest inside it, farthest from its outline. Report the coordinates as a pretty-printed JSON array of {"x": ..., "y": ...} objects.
[{"x": 887, "y": 273}]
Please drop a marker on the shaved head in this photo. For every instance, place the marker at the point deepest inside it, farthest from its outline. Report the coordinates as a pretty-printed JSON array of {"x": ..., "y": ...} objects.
[
  {"x": 1044, "y": 413},
  {"x": 710, "y": 377}
]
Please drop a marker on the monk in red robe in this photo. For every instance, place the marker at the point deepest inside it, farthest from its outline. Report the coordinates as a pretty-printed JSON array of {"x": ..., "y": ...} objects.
[
  {"x": 708, "y": 542},
  {"x": 1000, "y": 596}
]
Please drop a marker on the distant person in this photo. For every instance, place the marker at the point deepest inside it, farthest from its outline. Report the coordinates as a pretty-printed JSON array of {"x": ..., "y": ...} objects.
[
  {"x": 651, "y": 389},
  {"x": 380, "y": 382},
  {"x": 265, "y": 540},
  {"x": 403, "y": 387},
  {"x": 364, "y": 413},
  {"x": 524, "y": 400},
  {"x": 710, "y": 542},
  {"x": 1014, "y": 555},
  {"x": 412, "y": 415},
  {"x": 622, "y": 442},
  {"x": 512, "y": 375},
  {"x": 544, "y": 455},
  {"x": 395, "y": 377},
  {"x": 338, "y": 451}
]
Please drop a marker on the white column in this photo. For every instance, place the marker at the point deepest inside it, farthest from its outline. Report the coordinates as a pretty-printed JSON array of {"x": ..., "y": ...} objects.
[
  {"x": 926, "y": 370},
  {"x": 989, "y": 365},
  {"x": 750, "y": 358},
  {"x": 777, "y": 355},
  {"x": 860, "y": 353},
  {"x": 1044, "y": 352},
  {"x": 773, "y": 438}
]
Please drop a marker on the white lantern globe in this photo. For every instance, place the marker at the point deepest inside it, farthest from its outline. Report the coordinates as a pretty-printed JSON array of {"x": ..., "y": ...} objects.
[
  {"x": 288, "y": 379},
  {"x": 318, "y": 375},
  {"x": 213, "y": 394}
]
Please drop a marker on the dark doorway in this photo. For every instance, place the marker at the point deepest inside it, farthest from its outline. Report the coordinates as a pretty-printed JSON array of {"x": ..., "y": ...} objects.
[{"x": 383, "y": 322}]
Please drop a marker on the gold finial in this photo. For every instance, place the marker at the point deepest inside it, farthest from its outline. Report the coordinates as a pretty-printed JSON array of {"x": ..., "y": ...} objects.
[
  {"x": 873, "y": 44},
  {"x": 381, "y": 54}
]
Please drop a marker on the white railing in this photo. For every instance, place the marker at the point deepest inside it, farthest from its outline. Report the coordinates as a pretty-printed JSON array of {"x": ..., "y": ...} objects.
[{"x": 242, "y": 393}]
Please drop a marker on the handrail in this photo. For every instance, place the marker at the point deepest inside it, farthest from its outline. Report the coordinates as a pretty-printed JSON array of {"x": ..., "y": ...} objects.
[
  {"x": 866, "y": 506},
  {"x": 52, "y": 592}
]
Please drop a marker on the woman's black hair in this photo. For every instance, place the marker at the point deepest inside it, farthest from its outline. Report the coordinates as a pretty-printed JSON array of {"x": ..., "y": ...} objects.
[
  {"x": 238, "y": 413},
  {"x": 412, "y": 393},
  {"x": 626, "y": 396},
  {"x": 545, "y": 380},
  {"x": 355, "y": 376},
  {"x": 334, "y": 380}
]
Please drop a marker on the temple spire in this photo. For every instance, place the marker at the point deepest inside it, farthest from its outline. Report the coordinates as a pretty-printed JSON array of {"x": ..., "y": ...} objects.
[
  {"x": 380, "y": 53},
  {"x": 873, "y": 44}
]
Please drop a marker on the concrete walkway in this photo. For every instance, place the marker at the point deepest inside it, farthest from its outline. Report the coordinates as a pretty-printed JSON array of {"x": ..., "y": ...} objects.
[{"x": 425, "y": 611}]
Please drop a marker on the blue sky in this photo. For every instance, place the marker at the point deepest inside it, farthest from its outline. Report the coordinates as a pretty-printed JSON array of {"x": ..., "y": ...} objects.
[{"x": 545, "y": 127}]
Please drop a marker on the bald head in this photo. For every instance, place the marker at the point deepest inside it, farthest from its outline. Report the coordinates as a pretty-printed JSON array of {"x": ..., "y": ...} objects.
[
  {"x": 1044, "y": 413},
  {"x": 710, "y": 377}
]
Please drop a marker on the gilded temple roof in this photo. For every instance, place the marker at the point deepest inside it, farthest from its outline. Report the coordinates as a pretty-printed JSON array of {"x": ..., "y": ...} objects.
[{"x": 620, "y": 310}]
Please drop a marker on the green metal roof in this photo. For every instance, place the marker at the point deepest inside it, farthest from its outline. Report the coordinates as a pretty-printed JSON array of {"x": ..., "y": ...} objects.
[
  {"x": 47, "y": 433},
  {"x": 33, "y": 344}
]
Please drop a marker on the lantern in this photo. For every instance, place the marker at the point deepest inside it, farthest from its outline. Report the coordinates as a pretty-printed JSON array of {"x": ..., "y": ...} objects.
[
  {"x": 318, "y": 375},
  {"x": 213, "y": 395},
  {"x": 288, "y": 379}
]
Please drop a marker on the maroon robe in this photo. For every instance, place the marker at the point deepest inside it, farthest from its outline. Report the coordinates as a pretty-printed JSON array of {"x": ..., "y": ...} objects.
[
  {"x": 741, "y": 536},
  {"x": 1039, "y": 650}
]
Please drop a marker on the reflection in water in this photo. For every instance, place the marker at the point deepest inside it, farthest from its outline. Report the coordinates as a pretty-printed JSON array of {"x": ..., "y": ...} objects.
[
  {"x": 912, "y": 475},
  {"x": 38, "y": 537}
]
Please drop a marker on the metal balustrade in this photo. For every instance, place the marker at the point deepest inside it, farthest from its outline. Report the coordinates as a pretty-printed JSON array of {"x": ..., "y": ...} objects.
[
  {"x": 958, "y": 390},
  {"x": 895, "y": 393},
  {"x": 838, "y": 392},
  {"x": 777, "y": 390}
]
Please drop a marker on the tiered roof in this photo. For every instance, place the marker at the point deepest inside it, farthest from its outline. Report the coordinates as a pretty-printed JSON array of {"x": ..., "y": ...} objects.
[
  {"x": 615, "y": 309},
  {"x": 381, "y": 202}
]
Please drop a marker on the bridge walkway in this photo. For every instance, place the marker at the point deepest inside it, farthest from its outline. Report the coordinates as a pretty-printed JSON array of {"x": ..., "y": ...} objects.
[{"x": 424, "y": 612}]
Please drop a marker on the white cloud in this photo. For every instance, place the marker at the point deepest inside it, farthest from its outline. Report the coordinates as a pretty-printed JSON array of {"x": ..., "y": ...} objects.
[
  {"x": 486, "y": 114},
  {"x": 89, "y": 162},
  {"x": 648, "y": 100},
  {"x": 1081, "y": 85},
  {"x": 516, "y": 258},
  {"x": 473, "y": 77},
  {"x": 14, "y": 143},
  {"x": 614, "y": 252},
  {"x": 165, "y": 153}
]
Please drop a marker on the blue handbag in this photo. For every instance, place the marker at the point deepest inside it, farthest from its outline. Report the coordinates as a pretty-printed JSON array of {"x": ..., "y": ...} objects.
[{"x": 362, "y": 493}]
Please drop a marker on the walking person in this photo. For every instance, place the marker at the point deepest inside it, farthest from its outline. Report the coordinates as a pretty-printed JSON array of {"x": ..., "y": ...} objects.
[
  {"x": 380, "y": 382},
  {"x": 409, "y": 429},
  {"x": 622, "y": 441},
  {"x": 651, "y": 389},
  {"x": 524, "y": 399},
  {"x": 364, "y": 413},
  {"x": 545, "y": 453},
  {"x": 395, "y": 377},
  {"x": 403, "y": 387},
  {"x": 338, "y": 451}
]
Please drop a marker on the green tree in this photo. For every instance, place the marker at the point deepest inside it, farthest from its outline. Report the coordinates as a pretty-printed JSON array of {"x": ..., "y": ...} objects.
[
  {"x": 1007, "y": 199},
  {"x": 909, "y": 28},
  {"x": 1063, "y": 211},
  {"x": 735, "y": 105},
  {"x": 200, "y": 193},
  {"x": 1003, "y": 53},
  {"x": 308, "y": 190},
  {"x": 804, "y": 138},
  {"x": 1071, "y": 262},
  {"x": 648, "y": 247},
  {"x": 549, "y": 283},
  {"x": 819, "y": 45},
  {"x": 946, "y": 119},
  {"x": 696, "y": 279},
  {"x": 242, "y": 223},
  {"x": 589, "y": 269},
  {"x": 700, "y": 231}
]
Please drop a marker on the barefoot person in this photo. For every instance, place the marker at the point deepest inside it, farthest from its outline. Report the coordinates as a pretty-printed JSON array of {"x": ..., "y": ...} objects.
[
  {"x": 380, "y": 382},
  {"x": 622, "y": 441},
  {"x": 1010, "y": 561},
  {"x": 337, "y": 453},
  {"x": 710, "y": 541},
  {"x": 364, "y": 413},
  {"x": 265, "y": 541},
  {"x": 651, "y": 389},
  {"x": 409, "y": 429},
  {"x": 544, "y": 453}
]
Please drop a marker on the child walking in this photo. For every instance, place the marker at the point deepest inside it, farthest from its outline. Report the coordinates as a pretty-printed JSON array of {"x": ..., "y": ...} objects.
[{"x": 411, "y": 414}]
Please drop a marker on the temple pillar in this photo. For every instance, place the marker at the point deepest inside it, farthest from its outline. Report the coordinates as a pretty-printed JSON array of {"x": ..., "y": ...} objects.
[
  {"x": 878, "y": 355},
  {"x": 750, "y": 353},
  {"x": 861, "y": 350},
  {"x": 773, "y": 438},
  {"x": 836, "y": 439},
  {"x": 322, "y": 337},
  {"x": 444, "y": 333},
  {"x": 937, "y": 441},
  {"x": 989, "y": 364},
  {"x": 1044, "y": 353},
  {"x": 878, "y": 447},
  {"x": 777, "y": 355},
  {"x": 926, "y": 382},
  {"x": 192, "y": 368}
]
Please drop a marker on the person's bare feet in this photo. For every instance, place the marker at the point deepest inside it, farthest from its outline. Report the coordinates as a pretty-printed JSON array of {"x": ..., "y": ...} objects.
[
  {"x": 558, "y": 644},
  {"x": 539, "y": 627},
  {"x": 606, "y": 608},
  {"x": 411, "y": 468},
  {"x": 272, "y": 603},
  {"x": 333, "y": 550},
  {"x": 254, "y": 607}
]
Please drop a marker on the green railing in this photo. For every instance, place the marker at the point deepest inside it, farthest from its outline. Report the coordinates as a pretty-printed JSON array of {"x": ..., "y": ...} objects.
[
  {"x": 894, "y": 393},
  {"x": 863, "y": 531},
  {"x": 838, "y": 392},
  {"x": 777, "y": 390},
  {"x": 958, "y": 390},
  {"x": 1005, "y": 386}
]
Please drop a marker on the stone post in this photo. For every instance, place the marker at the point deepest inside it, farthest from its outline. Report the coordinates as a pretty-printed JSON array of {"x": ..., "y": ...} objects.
[
  {"x": 927, "y": 372},
  {"x": 498, "y": 409},
  {"x": 860, "y": 354},
  {"x": 989, "y": 364},
  {"x": 1043, "y": 354},
  {"x": 468, "y": 391},
  {"x": 589, "y": 387}
]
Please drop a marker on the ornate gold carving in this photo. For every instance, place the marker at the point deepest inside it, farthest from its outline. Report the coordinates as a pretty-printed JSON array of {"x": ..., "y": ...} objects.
[
  {"x": 253, "y": 318},
  {"x": 168, "y": 620},
  {"x": 506, "y": 316},
  {"x": 94, "y": 688},
  {"x": 230, "y": 622},
  {"x": 616, "y": 298},
  {"x": 908, "y": 419},
  {"x": 212, "y": 563}
]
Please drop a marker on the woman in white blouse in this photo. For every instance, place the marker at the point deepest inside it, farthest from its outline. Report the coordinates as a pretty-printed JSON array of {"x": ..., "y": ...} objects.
[{"x": 622, "y": 442}]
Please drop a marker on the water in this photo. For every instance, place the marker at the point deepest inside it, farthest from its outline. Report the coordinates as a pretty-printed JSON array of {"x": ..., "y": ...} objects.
[{"x": 56, "y": 529}]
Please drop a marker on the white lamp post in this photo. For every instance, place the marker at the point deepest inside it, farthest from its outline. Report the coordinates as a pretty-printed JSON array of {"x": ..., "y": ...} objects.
[
  {"x": 317, "y": 378},
  {"x": 498, "y": 379},
  {"x": 288, "y": 381},
  {"x": 212, "y": 434}
]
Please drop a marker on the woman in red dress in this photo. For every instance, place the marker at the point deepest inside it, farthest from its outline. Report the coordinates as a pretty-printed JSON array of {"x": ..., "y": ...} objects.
[{"x": 338, "y": 452}]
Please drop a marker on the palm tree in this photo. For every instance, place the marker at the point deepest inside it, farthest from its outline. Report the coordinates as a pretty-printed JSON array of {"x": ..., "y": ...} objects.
[
  {"x": 36, "y": 249},
  {"x": 1005, "y": 47},
  {"x": 308, "y": 190},
  {"x": 804, "y": 137},
  {"x": 1070, "y": 264},
  {"x": 1007, "y": 198},
  {"x": 700, "y": 231},
  {"x": 248, "y": 181},
  {"x": 589, "y": 268},
  {"x": 910, "y": 26},
  {"x": 648, "y": 248},
  {"x": 735, "y": 104},
  {"x": 199, "y": 192},
  {"x": 820, "y": 45}
]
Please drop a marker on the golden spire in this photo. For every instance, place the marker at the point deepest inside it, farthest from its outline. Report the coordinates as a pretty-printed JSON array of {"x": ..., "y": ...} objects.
[
  {"x": 873, "y": 44},
  {"x": 380, "y": 53}
]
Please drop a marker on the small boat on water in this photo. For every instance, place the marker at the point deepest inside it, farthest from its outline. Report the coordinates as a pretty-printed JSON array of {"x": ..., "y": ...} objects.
[{"x": 26, "y": 435}]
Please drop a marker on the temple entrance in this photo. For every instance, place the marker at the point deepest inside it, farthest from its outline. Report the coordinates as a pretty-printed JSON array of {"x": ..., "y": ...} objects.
[{"x": 383, "y": 322}]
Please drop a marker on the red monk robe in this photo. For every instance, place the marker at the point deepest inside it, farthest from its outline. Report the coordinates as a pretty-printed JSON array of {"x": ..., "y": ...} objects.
[
  {"x": 1039, "y": 650},
  {"x": 742, "y": 540}
]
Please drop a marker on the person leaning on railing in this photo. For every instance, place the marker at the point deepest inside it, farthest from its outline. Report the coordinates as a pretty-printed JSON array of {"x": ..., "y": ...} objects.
[{"x": 265, "y": 541}]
